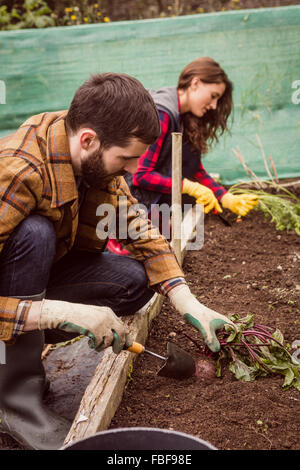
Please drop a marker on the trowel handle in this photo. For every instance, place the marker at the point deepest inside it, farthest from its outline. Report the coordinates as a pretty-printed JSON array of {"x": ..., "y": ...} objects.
[
  {"x": 136, "y": 348},
  {"x": 133, "y": 346},
  {"x": 130, "y": 345}
]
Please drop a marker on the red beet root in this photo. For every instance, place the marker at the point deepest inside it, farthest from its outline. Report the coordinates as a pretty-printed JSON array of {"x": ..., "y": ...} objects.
[{"x": 205, "y": 369}]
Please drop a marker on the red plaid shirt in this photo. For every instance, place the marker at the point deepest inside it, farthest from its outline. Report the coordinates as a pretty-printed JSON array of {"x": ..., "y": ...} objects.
[{"x": 148, "y": 178}]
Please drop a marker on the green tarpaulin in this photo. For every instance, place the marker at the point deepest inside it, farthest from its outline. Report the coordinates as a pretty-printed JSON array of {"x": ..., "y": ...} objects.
[{"x": 259, "y": 49}]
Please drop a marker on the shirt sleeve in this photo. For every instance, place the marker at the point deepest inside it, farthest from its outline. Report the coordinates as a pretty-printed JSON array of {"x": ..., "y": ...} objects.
[
  {"x": 146, "y": 176},
  {"x": 143, "y": 240},
  {"x": 165, "y": 287},
  {"x": 20, "y": 189},
  {"x": 204, "y": 178}
]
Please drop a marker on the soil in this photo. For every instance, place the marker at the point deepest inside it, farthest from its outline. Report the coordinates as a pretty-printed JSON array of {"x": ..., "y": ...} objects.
[{"x": 247, "y": 267}]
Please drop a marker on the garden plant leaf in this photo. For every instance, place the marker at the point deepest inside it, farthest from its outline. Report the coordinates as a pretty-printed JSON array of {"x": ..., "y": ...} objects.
[{"x": 254, "y": 351}]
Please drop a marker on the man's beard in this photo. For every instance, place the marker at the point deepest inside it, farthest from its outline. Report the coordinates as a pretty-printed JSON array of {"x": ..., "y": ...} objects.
[{"x": 94, "y": 173}]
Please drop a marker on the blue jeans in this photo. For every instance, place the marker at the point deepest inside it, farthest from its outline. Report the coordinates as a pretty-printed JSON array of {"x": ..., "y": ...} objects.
[{"x": 27, "y": 268}]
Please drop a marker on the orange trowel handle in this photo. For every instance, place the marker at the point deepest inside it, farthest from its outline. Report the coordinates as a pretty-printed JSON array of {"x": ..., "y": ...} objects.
[{"x": 137, "y": 348}]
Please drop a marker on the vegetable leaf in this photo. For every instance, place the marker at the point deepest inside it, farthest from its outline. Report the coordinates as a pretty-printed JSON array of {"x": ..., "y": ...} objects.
[
  {"x": 283, "y": 208},
  {"x": 242, "y": 371},
  {"x": 253, "y": 351}
]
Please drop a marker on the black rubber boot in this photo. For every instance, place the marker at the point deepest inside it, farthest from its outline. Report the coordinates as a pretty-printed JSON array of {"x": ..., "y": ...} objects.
[{"x": 22, "y": 384}]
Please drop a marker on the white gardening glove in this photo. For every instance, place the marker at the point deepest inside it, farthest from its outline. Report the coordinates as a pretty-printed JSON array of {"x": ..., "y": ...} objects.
[
  {"x": 98, "y": 323},
  {"x": 204, "y": 319}
]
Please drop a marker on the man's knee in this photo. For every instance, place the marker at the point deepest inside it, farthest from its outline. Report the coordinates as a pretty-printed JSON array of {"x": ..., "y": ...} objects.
[
  {"x": 137, "y": 291},
  {"x": 36, "y": 234},
  {"x": 138, "y": 278},
  {"x": 27, "y": 257}
]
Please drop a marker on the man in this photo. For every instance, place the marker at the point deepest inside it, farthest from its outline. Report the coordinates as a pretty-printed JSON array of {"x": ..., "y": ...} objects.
[{"x": 57, "y": 281}]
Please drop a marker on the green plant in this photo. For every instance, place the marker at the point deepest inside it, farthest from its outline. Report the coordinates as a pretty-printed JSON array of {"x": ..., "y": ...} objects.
[
  {"x": 84, "y": 12},
  {"x": 278, "y": 202},
  {"x": 254, "y": 351},
  {"x": 7, "y": 16},
  {"x": 129, "y": 373},
  {"x": 283, "y": 209},
  {"x": 33, "y": 14}
]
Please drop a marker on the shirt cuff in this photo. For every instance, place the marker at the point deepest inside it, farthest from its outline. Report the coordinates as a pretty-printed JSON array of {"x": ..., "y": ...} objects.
[
  {"x": 165, "y": 287},
  {"x": 12, "y": 318},
  {"x": 21, "y": 316},
  {"x": 162, "y": 267},
  {"x": 220, "y": 193}
]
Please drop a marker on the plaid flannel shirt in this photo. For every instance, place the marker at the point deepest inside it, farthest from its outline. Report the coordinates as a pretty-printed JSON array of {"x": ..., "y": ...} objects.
[
  {"x": 36, "y": 176},
  {"x": 148, "y": 178}
]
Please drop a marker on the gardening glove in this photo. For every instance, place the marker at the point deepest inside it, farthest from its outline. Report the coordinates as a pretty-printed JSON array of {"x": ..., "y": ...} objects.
[
  {"x": 204, "y": 319},
  {"x": 240, "y": 204},
  {"x": 98, "y": 323},
  {"x": 202, "y": 194}
]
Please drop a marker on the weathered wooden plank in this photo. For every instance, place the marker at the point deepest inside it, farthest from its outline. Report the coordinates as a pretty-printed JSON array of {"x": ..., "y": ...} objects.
[{"x": 104, "y": 393}]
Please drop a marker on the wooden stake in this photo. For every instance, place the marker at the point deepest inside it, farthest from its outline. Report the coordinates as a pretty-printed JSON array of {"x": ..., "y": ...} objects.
[{"x": 176, "y": 193}]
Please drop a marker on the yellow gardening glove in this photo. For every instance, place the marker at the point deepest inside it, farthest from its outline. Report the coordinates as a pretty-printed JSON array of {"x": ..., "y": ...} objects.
[
  {"x": 202, "y": 194},
  {"x": 240, "y": 204}
]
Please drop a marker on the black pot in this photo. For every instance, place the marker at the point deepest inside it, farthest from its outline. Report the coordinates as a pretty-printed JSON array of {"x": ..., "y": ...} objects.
[{"x": 140, "y": 438}]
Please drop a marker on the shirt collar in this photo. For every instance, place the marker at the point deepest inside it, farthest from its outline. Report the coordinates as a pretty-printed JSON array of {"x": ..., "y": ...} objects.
[{"x": 60, "y": 164}]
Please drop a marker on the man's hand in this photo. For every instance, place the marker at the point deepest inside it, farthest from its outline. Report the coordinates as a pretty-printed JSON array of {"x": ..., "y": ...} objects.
[
  {"x": 98, "y": 323},
  {"x": 240, "y": 204},
  {"x": 202, "y": 194},
  {"x": 204, "y": 319}
]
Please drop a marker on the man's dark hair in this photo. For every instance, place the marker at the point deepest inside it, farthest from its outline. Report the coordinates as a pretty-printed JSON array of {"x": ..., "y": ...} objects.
[{"x": 117, "y": 107}]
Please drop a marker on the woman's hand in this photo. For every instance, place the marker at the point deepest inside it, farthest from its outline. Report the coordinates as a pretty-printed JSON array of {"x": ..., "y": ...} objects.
[
  {"x": 202, "y": 194},
  {"x": 240, "y": 204}
]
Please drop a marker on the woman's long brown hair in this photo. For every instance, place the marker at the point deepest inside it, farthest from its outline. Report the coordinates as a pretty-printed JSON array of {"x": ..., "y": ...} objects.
[{"x": 203, "y": 132}]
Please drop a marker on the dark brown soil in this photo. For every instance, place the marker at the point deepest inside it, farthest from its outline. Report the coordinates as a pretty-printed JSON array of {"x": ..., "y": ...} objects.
[{"x": 246, "y": 268}]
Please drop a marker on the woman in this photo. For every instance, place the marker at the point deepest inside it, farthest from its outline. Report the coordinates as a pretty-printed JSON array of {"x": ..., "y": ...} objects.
[{"x": 199, "y": 107}]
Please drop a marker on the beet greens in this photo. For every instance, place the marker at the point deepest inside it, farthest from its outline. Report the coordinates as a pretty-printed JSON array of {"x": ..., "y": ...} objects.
[{"x": 253, "y": 351}]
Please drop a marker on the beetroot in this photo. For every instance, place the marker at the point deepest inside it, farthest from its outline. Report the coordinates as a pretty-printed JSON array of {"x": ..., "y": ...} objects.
[
  {"x": 205, "y": 369},
  {"x": 252, "y": 350}
]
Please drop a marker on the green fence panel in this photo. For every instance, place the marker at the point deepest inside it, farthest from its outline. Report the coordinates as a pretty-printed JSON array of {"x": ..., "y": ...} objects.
[{"x": 259, "y": 49}]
